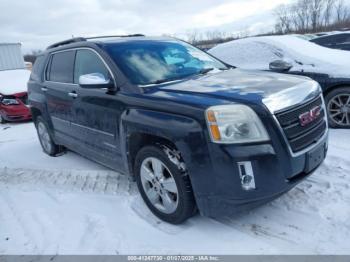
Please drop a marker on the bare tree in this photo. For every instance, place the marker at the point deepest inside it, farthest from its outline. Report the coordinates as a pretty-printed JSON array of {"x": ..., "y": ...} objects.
[
  {"x": 283, "y": 24},
  {"x": 193, "y": 36},
  {"x": 216, "y": 34},
  {"x": 316, "y": 13},
  {"x": 31, "y": 57},
  {"x": 300, "y": 13},
  {"x": 304, "y": 16},
  {"x": 342, "y": 12},
  {"x": 328, "y": 11}
]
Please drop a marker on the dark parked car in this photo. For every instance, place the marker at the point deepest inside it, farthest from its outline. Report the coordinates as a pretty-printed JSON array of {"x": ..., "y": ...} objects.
[
  {"x": 292, "y": 55},
  {"x": 195, "y": 133},
  {"x": 335, "y": 41}
]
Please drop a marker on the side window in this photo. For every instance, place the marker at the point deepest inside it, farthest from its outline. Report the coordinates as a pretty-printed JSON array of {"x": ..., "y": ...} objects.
[
  {"x": 347, "y": 40},
  {"x": 37, "y": 68},
  {"x": 61, "y": 69},
  {"x": 339, "y": 39},
  {"x": 325, "y": 40},
  {"x": 87, "y": 62}
]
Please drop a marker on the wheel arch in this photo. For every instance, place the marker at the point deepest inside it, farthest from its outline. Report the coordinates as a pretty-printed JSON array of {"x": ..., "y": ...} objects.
[
  {"x": 138, "y": 140},
  {"x": 334, "y": 87},
  {"x": 35, "y": 113}
]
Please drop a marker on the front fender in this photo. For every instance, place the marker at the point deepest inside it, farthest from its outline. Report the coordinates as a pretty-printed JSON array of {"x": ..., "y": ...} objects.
[{"x": 186, "y": 133}]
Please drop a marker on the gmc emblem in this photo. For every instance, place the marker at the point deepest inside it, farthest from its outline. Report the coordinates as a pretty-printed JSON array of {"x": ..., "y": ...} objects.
[{"x": 310, "y": 116}]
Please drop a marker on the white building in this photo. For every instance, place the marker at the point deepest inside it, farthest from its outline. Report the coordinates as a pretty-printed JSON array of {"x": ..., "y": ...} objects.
[{"x": 11, "y": 56}]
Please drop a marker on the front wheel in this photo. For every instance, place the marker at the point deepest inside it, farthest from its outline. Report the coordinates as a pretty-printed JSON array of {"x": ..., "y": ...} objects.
[
  {"x": 165, "y": 188},
  {"x": 338, "y": 107}
]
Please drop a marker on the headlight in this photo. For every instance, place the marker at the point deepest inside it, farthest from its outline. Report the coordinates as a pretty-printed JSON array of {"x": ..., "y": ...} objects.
[
  {"x": 235, "y": 123},
  {"x": 9, "y": 101}
]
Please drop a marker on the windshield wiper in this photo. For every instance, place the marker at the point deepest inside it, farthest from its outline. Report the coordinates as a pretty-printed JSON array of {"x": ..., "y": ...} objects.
[
  {"x": 160, "y": 81},
  {"x": 205, "y": 70}
]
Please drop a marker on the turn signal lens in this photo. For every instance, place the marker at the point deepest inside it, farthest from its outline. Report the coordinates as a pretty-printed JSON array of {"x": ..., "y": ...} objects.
[
  {"x": 215, "y": 132},
  {"x": 211, "y": 116},
  {"x": 214, "y": 129}
]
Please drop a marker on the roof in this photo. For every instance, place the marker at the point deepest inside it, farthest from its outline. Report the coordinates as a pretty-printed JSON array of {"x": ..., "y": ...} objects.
[{"x": 103, "y": 39}]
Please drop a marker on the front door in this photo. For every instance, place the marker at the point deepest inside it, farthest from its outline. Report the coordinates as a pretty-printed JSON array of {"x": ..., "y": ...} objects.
[{"x": 96, "y": 112}]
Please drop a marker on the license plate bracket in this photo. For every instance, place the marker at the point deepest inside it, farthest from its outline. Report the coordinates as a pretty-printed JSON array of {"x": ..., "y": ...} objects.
[{"x": 315, "y": 157}]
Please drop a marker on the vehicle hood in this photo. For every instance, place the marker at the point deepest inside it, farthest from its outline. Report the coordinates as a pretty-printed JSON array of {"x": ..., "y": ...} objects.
[{"x": 276, "y": 91}]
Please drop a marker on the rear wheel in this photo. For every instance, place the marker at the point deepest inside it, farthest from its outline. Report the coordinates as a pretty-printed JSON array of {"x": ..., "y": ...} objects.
[
  {"x": 338, "y": 107},
  {"x": 45, "y": 138},
  {"x": 2, "y": 120},
  {"x": 165, "y": 188}
]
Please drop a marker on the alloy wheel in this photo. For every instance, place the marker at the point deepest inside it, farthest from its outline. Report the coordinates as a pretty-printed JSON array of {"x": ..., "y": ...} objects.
[
  {"x": 339, "y": 109},
  {"x": 159, "y": 185}
]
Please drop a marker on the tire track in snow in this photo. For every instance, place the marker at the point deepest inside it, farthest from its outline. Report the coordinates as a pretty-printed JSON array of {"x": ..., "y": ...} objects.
[{"x": 101, "y": 182}]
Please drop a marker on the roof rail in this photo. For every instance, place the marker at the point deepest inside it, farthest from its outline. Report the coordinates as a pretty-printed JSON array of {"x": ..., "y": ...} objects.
[
  {"x": 110, "y": 36},
  {"x": 82, "y": 39},
  {"x": 66, "y": 42}
]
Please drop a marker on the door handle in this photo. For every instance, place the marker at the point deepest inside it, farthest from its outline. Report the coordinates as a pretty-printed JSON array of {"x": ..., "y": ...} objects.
[
  {"x": 73, "y": 94},
  {"x": 44, "y": 89}
]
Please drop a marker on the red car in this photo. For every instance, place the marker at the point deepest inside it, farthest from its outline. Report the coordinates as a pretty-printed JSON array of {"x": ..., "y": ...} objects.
[{"x": 13, "y": 95}]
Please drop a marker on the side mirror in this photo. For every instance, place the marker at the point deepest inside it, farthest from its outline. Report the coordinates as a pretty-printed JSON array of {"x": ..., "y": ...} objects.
[
  {"x": 95, "y": 80},
  {"x": 280, "y": 66}
]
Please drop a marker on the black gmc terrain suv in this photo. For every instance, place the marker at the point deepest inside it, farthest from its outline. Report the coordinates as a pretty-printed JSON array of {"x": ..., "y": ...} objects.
[{"x": 195, "y": 133}]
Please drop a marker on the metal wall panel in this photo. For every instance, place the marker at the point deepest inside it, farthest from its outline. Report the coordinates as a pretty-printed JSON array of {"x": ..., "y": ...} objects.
[{"x": 11, "y": 56}]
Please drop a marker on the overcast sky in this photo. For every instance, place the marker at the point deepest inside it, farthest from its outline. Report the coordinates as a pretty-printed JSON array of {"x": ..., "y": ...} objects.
[{"x": 37, "y": 23}]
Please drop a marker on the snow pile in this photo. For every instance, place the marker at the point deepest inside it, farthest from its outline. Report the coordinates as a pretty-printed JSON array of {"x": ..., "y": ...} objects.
[
  {"x": 13, "y": 81},
  {"x": 258, "y": 52},
  {"x": 70, "y": 205}
]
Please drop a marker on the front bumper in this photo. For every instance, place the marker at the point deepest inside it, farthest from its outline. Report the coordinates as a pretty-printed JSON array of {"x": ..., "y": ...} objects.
[{"x": 217, "y": 184}]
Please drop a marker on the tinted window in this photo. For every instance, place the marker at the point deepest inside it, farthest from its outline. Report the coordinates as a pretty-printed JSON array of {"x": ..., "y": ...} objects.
[
  {"x": 323, "y": 40},
  {"x": 88, "y": 62},
  {"x": 332, "y": 39},
  {"x": 147, "y": 62},
  {"x": 347, "y": 39},
  {"x": 342, "y": 38},
  {"x": 37, "y": 68},
  {"x": 61, "y": 69}
]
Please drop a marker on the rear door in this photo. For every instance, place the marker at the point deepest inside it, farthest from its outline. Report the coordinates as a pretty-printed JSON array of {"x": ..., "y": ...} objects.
[{"x": 58, "y": 82}]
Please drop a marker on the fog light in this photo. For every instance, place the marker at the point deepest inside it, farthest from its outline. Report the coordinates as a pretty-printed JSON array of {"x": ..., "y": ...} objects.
[{"x": 246, "y": 174}]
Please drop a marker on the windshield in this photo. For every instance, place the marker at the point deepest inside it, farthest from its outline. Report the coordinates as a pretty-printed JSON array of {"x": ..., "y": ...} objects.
[{"x": 153, "y": 62}]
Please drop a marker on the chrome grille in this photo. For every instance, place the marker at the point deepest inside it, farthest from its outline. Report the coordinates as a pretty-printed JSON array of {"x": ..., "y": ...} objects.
[{"x": 299, "y": 136}]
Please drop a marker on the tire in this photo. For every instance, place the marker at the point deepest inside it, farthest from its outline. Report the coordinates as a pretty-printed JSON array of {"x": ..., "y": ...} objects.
[
  {"x": 2, "y": 120},
  {"x": 338, "y": 107},
  {"x": 45, "y": 138},
  {"x": 169, "y": 196}
]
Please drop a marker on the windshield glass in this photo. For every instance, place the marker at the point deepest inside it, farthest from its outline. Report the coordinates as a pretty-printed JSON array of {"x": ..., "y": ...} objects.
[{"x": 152, "y": 62}]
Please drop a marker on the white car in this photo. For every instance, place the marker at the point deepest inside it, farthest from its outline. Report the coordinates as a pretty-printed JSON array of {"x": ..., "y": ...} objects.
[{"x": 292, "y": 55}]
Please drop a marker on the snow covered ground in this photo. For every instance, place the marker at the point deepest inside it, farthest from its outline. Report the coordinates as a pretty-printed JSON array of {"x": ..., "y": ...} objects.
[{"x": 69, "y": 205}]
